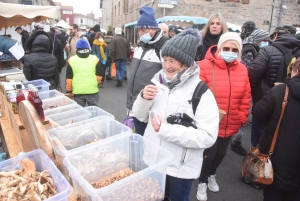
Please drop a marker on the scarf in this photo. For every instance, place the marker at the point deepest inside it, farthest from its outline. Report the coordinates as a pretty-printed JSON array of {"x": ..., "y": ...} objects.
[
  {"x": 210, "y": 39},
  {"x": 101, "y": 44}
]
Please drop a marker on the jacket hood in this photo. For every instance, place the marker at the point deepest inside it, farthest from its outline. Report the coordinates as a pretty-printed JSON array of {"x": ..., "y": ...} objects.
[
  {"x": 96, "y": 28},
  {"x": 287, "y": 40},
  {"x": 39, "y": 42},
  {"x": 213, "y": 55},
  {"x": 294, "y": 84}
]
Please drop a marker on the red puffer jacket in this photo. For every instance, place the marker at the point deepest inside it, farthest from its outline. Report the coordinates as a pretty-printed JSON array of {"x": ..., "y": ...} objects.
[{"x": 233, "y": 93}]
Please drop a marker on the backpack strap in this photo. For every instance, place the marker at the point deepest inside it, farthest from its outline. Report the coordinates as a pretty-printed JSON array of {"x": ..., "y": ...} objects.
[{"x": 200, "y": 89}]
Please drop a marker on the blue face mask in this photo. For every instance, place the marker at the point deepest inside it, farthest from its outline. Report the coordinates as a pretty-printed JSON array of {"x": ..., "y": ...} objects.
[
  {"x": 165, "y": 77},
  {"x": 84, "y": 33},
  {"x": 263, "y": 44},
  {"x": 229, "y": 56},
  {"x": 145, "y": 38}
]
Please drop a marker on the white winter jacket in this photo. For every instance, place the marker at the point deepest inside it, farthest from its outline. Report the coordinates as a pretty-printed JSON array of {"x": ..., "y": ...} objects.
[{"x": 186, "y": 143}]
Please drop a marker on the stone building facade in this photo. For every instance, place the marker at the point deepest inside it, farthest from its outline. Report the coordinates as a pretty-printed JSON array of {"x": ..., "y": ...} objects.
[{"x": 265, "y": 13}]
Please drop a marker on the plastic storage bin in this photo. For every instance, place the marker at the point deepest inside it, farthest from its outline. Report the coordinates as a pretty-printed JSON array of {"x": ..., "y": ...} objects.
[
  {"x": 50, "y": 94},
  {"x": 73, "y": 116},
  {"x": 40, "y": 84},
  {"x": 102, "y": 159},
  {"x": 81, "y": 134},
  {"x": 53, "y": 103},
  {"x": 62, "y": 109},
  {"x": 42, "y": 162}
]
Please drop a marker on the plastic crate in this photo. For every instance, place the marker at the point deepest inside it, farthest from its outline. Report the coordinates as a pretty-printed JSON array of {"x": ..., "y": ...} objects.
[
  {"x": 96, "y": 111},
  {"x": 42, "y": 162},
  {"x": 62, "y": 109},
  {"x": 50, "y": 94},
  {"x": 146, "y": 159},
  {"x": 40, "y": 84},
  {"x": 99, "y": 127},
  {"x": 68, "y": 117},
  {"x": 77, "y": 115},
  {"x": 57, "y": 102}
]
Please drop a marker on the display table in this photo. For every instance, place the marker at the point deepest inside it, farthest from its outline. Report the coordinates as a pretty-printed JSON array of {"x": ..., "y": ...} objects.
[{"x": 15, "y": 123}]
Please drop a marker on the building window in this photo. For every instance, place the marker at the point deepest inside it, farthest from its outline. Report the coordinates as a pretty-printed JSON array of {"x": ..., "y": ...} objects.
[
  {"x": 64, "y": 12},
  {"x": 81, "y": 20},
  {"x": 27, "y": 2},
  {"x": 119, "y": 8},
  {"x": 115, "y": 11},
  {"x": 68, "y": 20},
  {"x": 125, "y": 6}
]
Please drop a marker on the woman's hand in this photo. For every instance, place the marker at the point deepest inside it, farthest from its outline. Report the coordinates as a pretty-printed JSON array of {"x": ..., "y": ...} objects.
[
  {"x": 149, "y": 92},
  {"x": 155, "y": 126}
]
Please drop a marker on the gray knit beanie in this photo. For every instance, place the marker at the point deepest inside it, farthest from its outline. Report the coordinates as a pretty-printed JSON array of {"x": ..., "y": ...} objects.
[{"x": 183, "y": 46}]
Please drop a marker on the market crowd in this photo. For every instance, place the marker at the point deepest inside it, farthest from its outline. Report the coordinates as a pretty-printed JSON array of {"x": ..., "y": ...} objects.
[{"x": 189, "y": 92}]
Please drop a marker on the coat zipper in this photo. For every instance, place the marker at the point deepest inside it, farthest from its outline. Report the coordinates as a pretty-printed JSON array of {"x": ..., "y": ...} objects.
[
  {"x": 143, "y": 54},
  {"x": 183, "y": 155},
  {"x": 228, "y": 101}
]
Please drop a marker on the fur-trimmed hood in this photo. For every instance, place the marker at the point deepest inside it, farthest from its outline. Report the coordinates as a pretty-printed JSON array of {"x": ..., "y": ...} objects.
[{"x": 39, "y": 42}]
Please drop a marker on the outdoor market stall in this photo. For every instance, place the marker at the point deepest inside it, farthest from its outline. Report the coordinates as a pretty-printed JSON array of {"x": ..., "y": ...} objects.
[{"x": 12, "y": 15}]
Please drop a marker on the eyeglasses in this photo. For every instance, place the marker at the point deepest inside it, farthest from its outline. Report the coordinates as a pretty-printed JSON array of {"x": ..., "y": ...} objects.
[{"x": 228, "y": 49}]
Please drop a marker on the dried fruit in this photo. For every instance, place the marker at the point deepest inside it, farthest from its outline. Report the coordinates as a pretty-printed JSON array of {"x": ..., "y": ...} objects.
[{"x": 26, "y": 184}]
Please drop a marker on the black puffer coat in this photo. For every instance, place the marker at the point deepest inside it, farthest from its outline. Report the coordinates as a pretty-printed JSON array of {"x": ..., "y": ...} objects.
[
  {"x": 40, "y": 63},
  {"x": 285, "y": 157},
  {"x": 264, "y": 69}
]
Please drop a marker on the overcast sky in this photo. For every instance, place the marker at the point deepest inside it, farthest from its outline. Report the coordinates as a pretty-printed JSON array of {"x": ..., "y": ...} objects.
[{"x": 83, "y": 6}]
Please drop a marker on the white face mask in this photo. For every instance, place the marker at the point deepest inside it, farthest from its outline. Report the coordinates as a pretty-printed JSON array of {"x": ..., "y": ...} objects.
[
  {"x": 229, "y": 56},
  {"x": 100, "y": 39}
]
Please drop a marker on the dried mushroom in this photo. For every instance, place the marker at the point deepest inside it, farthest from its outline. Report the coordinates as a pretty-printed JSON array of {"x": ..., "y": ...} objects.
[{"x": 26, "y": 184}]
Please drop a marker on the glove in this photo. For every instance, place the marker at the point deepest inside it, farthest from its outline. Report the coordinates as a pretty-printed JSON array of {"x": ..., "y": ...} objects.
[{"x": 181, "y": 119}]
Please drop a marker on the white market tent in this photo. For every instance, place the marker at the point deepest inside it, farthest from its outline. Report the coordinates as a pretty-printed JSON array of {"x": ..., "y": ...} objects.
[
  {"x": 19, "y": 14},
  {"x": 63, "y": 24}
]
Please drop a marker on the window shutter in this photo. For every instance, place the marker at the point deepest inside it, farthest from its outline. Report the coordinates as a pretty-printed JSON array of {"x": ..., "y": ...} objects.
[{"x": 245, "y": 1}]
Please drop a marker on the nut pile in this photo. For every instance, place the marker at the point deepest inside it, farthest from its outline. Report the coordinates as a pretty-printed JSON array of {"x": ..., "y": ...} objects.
[
  {"x": 145, "y": 188},
  {"x": 26, "y": 184},
  {"x": 112, "y": 178}
]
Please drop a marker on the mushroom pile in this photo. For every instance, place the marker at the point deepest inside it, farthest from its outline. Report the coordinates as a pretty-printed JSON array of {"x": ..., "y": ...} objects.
[{"x": 26, "y": 184}]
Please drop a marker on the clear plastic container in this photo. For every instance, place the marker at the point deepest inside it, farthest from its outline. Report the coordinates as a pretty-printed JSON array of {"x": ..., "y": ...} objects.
[
  {"x": 69, "y": 117},
  {"x": 96, "y": 111},
  {"x": 72, "y": 137},
  {"x": 42, "y": 162},
  {"x": 62, "y": 109},
  {"x": 40, "y": 84},
  {"x": 103, "y": 159},
  {"x": 53, "y": 103},
  {"x": 77, "y": 115},
  {"x": 50, "y": 94}
]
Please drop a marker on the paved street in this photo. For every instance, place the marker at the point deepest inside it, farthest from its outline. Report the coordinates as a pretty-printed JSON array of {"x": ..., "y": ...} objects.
[{"x": 113, "y": 100}]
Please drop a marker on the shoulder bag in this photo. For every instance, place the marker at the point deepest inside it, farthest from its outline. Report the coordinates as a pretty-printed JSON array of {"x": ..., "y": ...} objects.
[{"x": 257, "y": 167}]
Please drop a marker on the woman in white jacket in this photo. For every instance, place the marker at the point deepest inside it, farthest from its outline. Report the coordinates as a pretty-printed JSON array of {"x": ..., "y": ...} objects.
[{"x": 179, "y": 129}]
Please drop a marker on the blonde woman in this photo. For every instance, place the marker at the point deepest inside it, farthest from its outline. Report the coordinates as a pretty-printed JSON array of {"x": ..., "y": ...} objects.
[
  {"x": 100, "y": 50},
  {"x": 211, "y": 34}
]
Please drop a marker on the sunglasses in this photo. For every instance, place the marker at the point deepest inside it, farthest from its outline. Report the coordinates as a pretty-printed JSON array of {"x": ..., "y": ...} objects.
[{"x": 228, "y": 49}]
